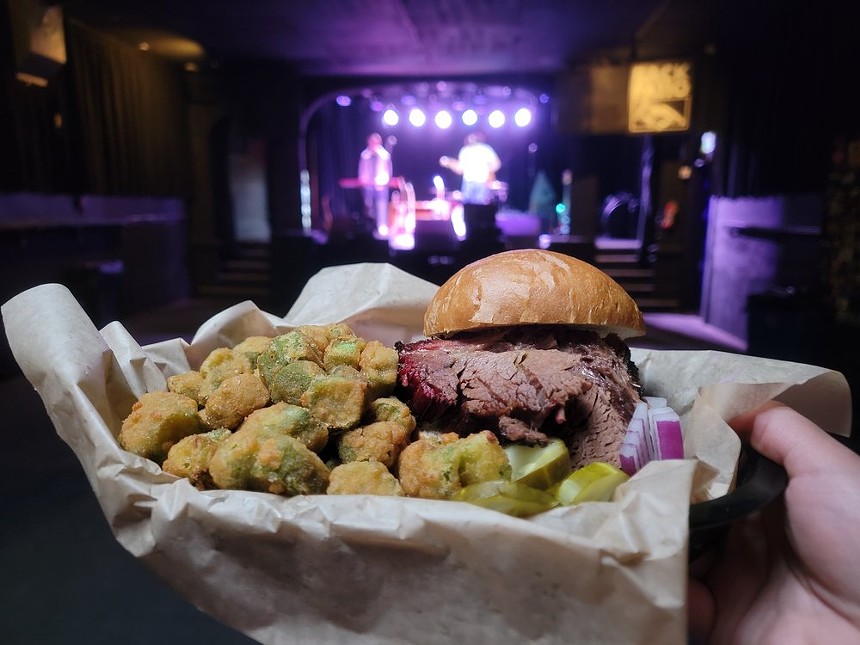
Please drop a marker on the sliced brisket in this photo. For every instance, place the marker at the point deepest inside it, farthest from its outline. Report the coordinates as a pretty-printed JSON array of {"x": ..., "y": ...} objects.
[{"x": 525, "y": 384}]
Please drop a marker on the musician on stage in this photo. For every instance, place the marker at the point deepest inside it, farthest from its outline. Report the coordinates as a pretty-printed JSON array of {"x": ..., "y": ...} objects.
[
  {"x": 478, "y": 163},
  {"x": 374, "y": 175}
]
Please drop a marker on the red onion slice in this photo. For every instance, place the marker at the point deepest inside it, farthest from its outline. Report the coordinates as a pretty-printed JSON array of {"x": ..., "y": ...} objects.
[
  {"x": 634, "y": 451},
  {"x": 654, "y": 432},
  {"x": 665, "y": 427}
]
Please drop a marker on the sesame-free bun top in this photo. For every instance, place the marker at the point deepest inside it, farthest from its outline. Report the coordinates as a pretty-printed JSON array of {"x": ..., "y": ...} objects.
[{"x": 532, "y": 287}]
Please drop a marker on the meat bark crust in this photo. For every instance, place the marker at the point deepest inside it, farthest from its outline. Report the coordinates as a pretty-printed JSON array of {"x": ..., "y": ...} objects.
[{"x": 525, "y": 384}]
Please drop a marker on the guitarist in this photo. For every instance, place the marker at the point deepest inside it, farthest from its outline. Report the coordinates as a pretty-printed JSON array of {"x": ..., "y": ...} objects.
[
  {"x": 374, "y": 175},
  {"x": 478, "y": 163}
]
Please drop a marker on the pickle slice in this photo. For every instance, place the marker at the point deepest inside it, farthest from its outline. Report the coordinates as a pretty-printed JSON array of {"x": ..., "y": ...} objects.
[
  {"x": 512, "y": 498},
  {"x": 539, "y": 466},
  {"x": 595, "y": 482}
]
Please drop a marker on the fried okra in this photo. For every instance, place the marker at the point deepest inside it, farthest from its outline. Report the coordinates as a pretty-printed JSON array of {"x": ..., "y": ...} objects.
[
  {"x": 293, "y": 420},
  {"x": 381, "y": 441},
  {"x": 289, "y": 364},
  {"x": 437, "y": 466},
  {"x": 338, "y": 401},
  {"x": 156, "y": 422},
  {"x": 339, "y": 330},
  {"x": 363, "y": 478},
  {"x": 283, "y": 396},
  {"x": 188, "y": 384},
  {"x": 286, "y": 348},
  {"x": 378, "y": 366},
  {"x": 388, "y": 428},
  {"x": 316, "y": 334},
  {"x": 343, "y": 351},
  {"x": 252, "y": 347},
  {"x": 322, "y": 335},
  {"x": 251, "y": 459},
  {"x": 233, "y": 400},
  {"x": 290, "y": 381},
  {"x": 221, "y": 364},
  {"x": 190, "y": 457},
  {"x": 390, "y": 408}
]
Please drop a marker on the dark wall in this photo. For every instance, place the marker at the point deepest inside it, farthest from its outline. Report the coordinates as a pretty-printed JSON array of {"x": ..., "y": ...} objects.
[
  {"x": 264, "y": 102},
  {"x": 108, "y": 122},
  {"x": 101, "y": 248},
  {"x": 780, "y": 81}
]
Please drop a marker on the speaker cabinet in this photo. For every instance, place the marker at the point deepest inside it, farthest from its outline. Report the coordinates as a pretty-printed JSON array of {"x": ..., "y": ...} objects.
[
  {"x": 435, "y": 235},
  {"x": 480, "y": 219}
]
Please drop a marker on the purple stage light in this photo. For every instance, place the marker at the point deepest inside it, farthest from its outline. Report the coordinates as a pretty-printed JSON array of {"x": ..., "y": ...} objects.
[
  {"x": 496, "y": 119},
  {"x": 417, "y": 117},
  {"x": 390, "y": 117},
  {"x": 523, "y": 117},
  {"x": 443, "y": 119}
]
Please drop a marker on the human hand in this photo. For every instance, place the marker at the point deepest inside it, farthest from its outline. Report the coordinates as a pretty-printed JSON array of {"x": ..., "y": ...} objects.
[{"x": 790, "y": 573}]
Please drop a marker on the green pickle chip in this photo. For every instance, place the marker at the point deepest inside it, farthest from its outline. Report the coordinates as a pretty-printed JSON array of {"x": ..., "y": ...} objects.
[
  {"x": 595, "y": 482},
  {"x": 539, "y": 466},
  {"x": 512, "y": 498}
]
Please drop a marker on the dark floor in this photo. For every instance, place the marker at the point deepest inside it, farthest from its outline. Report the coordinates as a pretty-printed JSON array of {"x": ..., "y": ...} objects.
[{"x": 64, "y": 577}]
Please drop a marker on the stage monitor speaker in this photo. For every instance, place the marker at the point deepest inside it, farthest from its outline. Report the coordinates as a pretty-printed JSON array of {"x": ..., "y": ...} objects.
[
  {"x": 480, "y": 220},
  {"x": 435, "y": 235},
  {"x": 38, "y": 39}
]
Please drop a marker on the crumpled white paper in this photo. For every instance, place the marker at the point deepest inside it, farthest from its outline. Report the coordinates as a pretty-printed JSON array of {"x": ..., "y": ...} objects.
[{"x": 364, "y": 569}]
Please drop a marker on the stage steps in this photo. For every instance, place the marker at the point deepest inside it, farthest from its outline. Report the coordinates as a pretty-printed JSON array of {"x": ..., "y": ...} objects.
[
  {"x": 247, "y": 275},
  {"x": 621, "y": 263}
]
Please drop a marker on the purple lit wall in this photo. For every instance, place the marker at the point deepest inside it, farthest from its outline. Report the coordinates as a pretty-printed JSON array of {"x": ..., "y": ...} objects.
[{"x": 758, "y": 247}]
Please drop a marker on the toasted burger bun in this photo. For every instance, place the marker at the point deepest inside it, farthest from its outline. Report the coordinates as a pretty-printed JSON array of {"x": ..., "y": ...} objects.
[{"x": 532, "y": 287}]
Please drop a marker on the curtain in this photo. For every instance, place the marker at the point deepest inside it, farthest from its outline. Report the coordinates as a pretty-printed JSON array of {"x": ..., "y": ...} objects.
[
  {"x": 778, "y": 73},
  {"x": 36, "y": 157},
  {"x": 111, "y": 122},
  {"x": 129, "y": 117},
  {"x": 34, "y": 152},
  {"x": 336, "y": 138}
]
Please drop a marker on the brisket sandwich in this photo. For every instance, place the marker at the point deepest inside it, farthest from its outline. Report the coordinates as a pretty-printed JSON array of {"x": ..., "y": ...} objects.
[{"x": 528, "y": 344}]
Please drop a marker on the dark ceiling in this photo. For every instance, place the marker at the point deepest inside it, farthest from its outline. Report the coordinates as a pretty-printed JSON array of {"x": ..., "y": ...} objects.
[{"x": 404, "y": 37}]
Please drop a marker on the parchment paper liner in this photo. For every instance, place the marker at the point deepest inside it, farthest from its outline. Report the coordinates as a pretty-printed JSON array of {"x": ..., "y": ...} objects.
[{"x": 363, "y": 569}]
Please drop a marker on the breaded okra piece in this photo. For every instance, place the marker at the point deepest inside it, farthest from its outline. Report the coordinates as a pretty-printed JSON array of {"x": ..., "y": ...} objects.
[{"x": 156, "y": 422}]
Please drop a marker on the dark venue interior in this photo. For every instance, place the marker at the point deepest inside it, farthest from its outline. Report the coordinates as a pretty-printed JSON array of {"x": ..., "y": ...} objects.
[{"x": 166, "y": 160}]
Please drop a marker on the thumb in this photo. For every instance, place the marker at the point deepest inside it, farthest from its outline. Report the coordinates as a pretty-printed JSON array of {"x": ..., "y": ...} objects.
[{"x": 793, "y": 441}]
